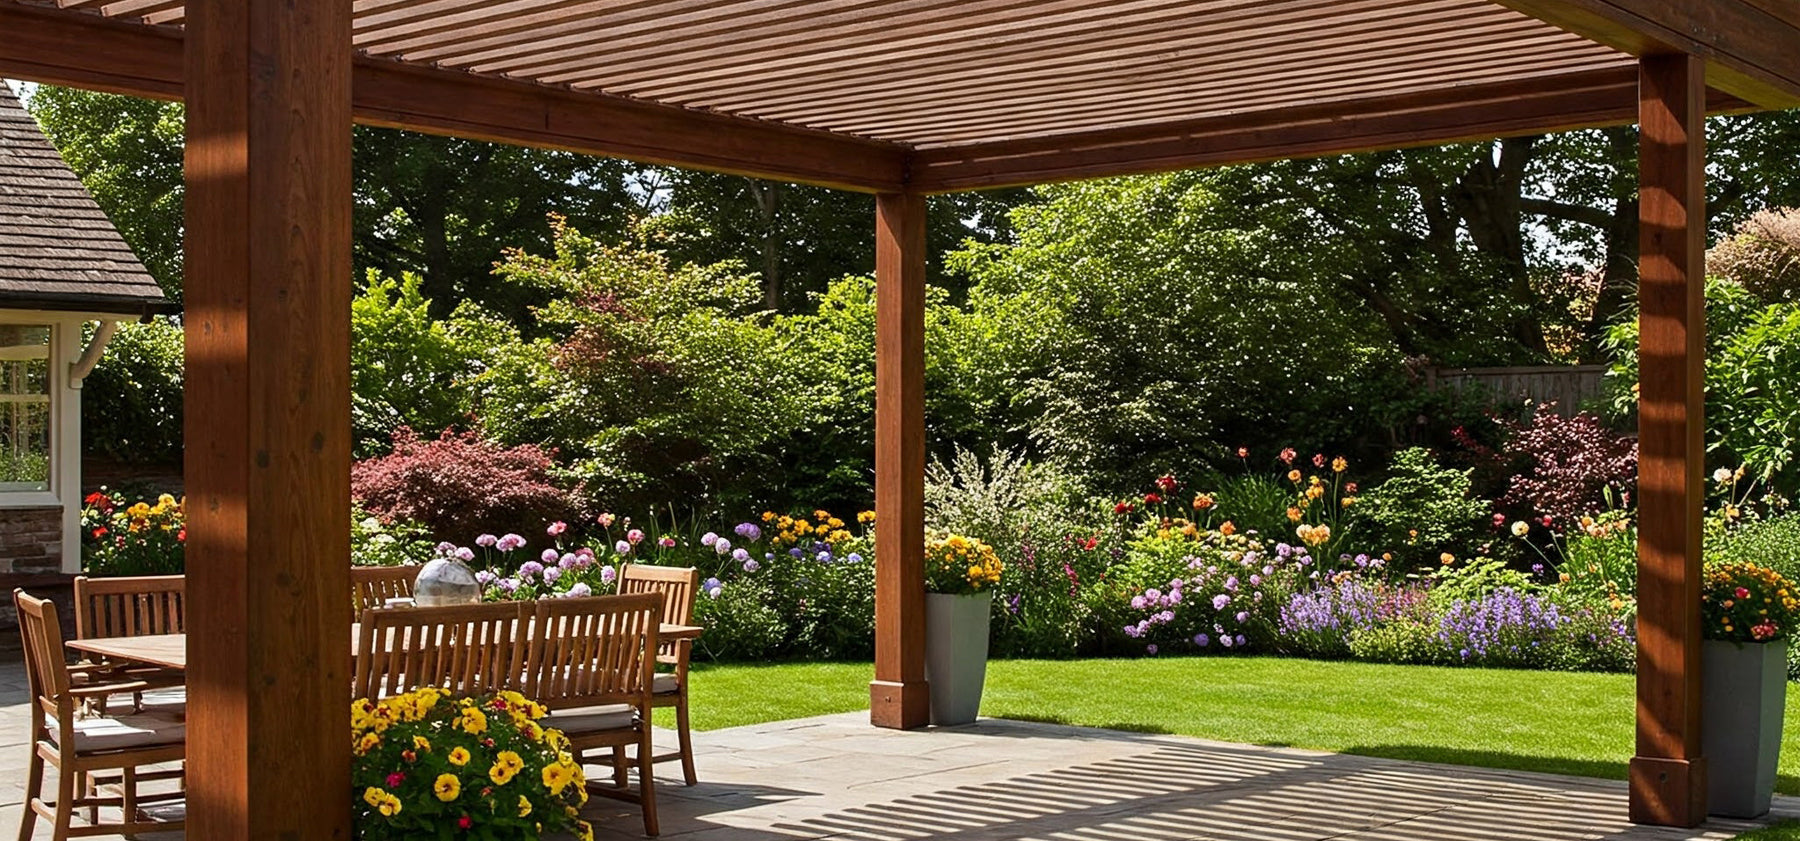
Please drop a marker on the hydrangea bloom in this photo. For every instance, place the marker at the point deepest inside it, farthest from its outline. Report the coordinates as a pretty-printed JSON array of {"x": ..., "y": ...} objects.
[
  {"x": 708, "y": 539},
  {"x": 579, "y": 590},
  {"x": 749, "y": 531},
  {"x": 486, "y": 541}
]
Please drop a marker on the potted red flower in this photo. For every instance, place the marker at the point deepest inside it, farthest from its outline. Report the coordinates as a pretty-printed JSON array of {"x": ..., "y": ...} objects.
[{"x": 1748, "y": 613}]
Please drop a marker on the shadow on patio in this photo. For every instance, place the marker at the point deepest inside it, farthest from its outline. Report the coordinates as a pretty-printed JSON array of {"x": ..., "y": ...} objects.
[{"x": 834, "y": 777}]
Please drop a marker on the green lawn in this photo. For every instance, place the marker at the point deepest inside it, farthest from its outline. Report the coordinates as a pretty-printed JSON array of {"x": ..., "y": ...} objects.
[{"x": 1542, "y": 721}]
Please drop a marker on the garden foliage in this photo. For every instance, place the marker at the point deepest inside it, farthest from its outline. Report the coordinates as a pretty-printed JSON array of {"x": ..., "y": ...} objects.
[{"x": 459, "y": 482}]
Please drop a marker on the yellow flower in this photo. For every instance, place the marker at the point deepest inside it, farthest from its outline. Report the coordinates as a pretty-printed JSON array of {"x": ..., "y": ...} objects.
[
  {"x": 459, "y": 756},
  {"x": 768, "y": 515},
  {"x": 1339, "y": 465},
  {"x": 447, "y": 787},
  {"x": 421, "y": 743},
  {"x": 369, "y": 742},
  {"x": 821, "y": 514},
  {"x": 1294, "y": 476},
  {"x": 390, "y": 806},
  {"x": 373, "y": 796},
  {"x": 556, "y": 777},
  {"x": 511, "y": 760},
  {"x": 1446, "y": 559},
  {"x": 866, "y": 517},
  {"x": 524, "y": 806},
  {"x": 502, "y": 774},
  {"x": 474, "y": 721},
  {"x": 584, "y": 831}
]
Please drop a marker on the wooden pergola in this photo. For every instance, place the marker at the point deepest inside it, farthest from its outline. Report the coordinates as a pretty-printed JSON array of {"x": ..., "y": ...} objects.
[{"x": 901, "y": 98}]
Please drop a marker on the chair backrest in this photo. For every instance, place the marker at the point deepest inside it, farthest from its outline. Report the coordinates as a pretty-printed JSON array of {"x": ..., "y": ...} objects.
[
  {"x": 676, "y": 586},
  {"x": 466, "y": 649},
  {"x": 46, "y": 670},
  {"x": 591, "y": 651},
  {"x": 130, "y": 607},
  {"x": 373, "y": 586}
]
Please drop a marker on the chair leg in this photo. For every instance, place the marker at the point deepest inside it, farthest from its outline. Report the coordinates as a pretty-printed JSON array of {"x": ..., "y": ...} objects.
[
  {"x": 65, "y": 800},
  {"x": 34, "y": 789},
  {"x": 647, "y": 782},
  {"x": 687, "y": 739},
  {"x": 618, "y": 764},
  {"x": 129, "y": 786}
]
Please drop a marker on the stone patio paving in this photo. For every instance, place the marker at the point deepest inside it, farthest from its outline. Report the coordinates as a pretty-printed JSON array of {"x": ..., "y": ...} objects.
[{"x": 835, "y": 777}]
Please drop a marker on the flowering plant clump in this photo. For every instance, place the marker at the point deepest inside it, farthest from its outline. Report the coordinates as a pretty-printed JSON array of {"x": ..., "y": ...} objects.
[
  {"x": 137, "y": 539},
  {"x": 1747, "y": 603},
  {"x": 428, "y": 765},
  {"x": 959, "y": 566},
  {"x": 1323, "y": 621},
  {"x": 1568, "y": 468}
]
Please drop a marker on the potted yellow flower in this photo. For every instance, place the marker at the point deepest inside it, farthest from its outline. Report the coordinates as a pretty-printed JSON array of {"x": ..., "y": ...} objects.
[
  {"x": 429, "y": 765},
  {"x": 960, "y": 574},
  {"x": 1749, "y": 612}
]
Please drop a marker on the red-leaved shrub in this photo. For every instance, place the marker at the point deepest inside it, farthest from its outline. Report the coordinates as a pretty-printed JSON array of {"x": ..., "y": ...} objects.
[
  {"x": 460, "y": 486},
  {"x": 1565, "y": 468}
]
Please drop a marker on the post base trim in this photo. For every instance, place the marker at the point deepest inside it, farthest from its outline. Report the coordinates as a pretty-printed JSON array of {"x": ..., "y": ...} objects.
[
  {"x": 899, "y": 705},
  {"x": 1668, "y": 792}
]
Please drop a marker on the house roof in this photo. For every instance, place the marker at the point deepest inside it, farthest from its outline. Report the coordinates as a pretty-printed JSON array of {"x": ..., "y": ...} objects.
[{"x": 58, "y": 251}]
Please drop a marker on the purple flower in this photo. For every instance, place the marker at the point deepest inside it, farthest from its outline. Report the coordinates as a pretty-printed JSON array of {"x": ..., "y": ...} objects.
[
  {"x": 464, "y": 554},
  {"x": 572, "y": 560},
  {"x": 509, "y": 542},
  {"x": 824, "y": 557},
  {"x": 486, "y": 541},
  {"x": 708, "y": 539},
  {"x": 1225, "y": 640},
  {"x": 445, "y": 548},
  {"x": 551, "y": 574},
  {"x": 1537, "y": 569},
  {"x": 1231, "y": 583},
  {"x": 485, "y": 577},
  {"x": 1220, "y": 601},
  {"x": 510, "y": 585},
  {"x": 722, "y": 546},
  {"x": 548, "y": 556},
  {"x": 749, "y": 531},
  {"x": 1242, "y": 617},
  {"x": 1268, "y": 570},
  {"x": 607, "y": 574},
  {"x": 530, "y": 570},
  {"x": 1137, "y": 602},
  {"x": 1255, "y": 580},
  {"x": 713, "y": 588},
  {"x": 1132, "y": 631},
  {"x": 622, "y": 548},
  {"x": 797, "y": 552},
  {"x": 1150, "y": 649},
  {"x": 579, "y": 590},
  {"x": 740, "y": 555},
  {"x": 1240, "y": 640},
  {"x": 751, "y": 565},
  {"x": 854, "y": 558},
  {"x": 1282, "y": 550},
  {"x": 1153, "y": 594},
  {"x": 1202, "y": 640}
]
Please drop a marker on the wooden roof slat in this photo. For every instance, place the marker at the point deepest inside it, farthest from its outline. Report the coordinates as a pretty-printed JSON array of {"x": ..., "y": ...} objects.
[
  {"x": 566, "y": 23},
  {"x": 1054, "y": 57},
  {"x": 1095, "y": 115},
  {"x": 1127, "y": 68},
  {"x": 1216, "y": 81},
  {"x": 895, "y": 35},
  {"x": 464, "y": 20}
]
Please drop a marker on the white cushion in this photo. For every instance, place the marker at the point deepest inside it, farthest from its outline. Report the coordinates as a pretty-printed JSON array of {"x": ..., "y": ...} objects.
[
  {"x": 171, "y": 701},
  {"x": 596, "y": 719},
  {"x": 665, "y": 684},
  {"x": 104, "y": 733}
]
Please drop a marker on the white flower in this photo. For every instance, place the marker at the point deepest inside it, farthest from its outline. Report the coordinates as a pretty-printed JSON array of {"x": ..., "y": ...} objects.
[
  {"x": 1520, "y": 528},
  {"x": 1722, "y": 476}
]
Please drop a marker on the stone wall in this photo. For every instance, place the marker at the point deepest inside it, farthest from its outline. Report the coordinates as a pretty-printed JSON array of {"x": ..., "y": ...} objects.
[{"x": 30, "y": 540}]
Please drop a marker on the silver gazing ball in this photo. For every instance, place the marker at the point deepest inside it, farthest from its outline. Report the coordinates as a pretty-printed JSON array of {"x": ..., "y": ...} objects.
[{"x": 446, "y": 581}]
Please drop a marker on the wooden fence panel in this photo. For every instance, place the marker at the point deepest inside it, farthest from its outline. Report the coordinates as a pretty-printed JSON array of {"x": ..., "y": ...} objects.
[{"x": 1568, "y": 386}]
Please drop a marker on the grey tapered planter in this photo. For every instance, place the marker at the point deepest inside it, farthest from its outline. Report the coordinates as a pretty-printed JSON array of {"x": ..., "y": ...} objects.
[
  {"x": 1745, "y": 693},
  {"x": 956, "y": 647}
]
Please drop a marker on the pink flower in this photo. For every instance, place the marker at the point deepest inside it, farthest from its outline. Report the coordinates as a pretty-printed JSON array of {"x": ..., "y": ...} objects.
[
  {"x": 395, "y": 779},
  {"x": 548, "y": 556},
  {"x": 666, "y": 542},
  {"x": 556, "y": 528},
  {"x": 1741, "y": 592},
  {"x": 606, "y": 520},
  {"x": 1288, "y": 454},
  {"x": 622, "y": 548},
  {"x": 636, "y": 536}
]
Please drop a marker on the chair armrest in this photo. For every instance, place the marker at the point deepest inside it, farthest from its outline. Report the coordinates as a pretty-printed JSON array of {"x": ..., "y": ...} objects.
[{"x": 95, "y": 690}]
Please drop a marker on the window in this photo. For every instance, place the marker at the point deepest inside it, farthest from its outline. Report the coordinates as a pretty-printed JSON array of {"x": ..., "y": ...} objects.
[{"x": 24, "y": 407}]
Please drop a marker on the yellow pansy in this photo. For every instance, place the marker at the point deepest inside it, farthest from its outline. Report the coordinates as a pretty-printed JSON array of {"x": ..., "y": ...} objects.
[
  {"x": 447, "y": 787},
  {"x": 524, "y": 806},
  {"x": 459, "y": 756}
]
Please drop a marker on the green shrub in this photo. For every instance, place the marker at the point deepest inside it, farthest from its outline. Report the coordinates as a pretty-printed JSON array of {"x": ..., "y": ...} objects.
[
  {"x": 1421, "y": 510},
  {"x": 1400, "y": 641},
  {"x": 1773, "y": 543},
  {"x": 131, "y": 403},
  {"x": 740, "y": 624},
  {"x": 395, "y": 542},
  {"x": 1255, "y": 503}
]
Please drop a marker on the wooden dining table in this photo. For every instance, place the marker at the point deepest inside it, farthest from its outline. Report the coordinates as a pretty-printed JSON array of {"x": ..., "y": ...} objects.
[{"x": 169, "y": 651}]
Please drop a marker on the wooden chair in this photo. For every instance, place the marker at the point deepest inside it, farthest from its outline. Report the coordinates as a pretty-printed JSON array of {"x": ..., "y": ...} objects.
[
  {"x": 466, "y": 649},
  {"x": 80, "y": 747},
  {"x": 373, "y": 586},
  {"x": 677, "y": 587},
  {"x": 131, "y": 607},
  {"x": 591, "y": 664}
]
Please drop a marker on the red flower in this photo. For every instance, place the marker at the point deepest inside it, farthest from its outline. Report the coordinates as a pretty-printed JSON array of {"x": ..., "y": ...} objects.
[
  {"x": 1166, "y": 484},
  {"x": 1766, "y": 630},
  {"x": 1499, "y": 520},
  {"x": 1123, "y": 508},
  {"x": 1152, "y": 499},
  {"x": 1243, "y": 452},
  {"x": 1742, "y": 593},
  {"x": 464, "y": 822},
  {"x": 181, "y": 535},
  {"x": 409, "y": 756},
  {"x": 1547, "y": 521},
  {"x": 1287, "y": 455},
  {"x": 100, "y": 532},
  {"x": 1318, "y": 459},
  {"x": 96, "y": 498},
  {"x": 1090, "y": 544},
  {"x": 395, "y": 779}
]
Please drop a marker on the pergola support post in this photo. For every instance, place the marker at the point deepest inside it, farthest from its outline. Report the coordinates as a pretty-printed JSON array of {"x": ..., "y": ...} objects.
[
  {"x": 898, "y": 697},
  {"x": 1668, "y": 774},
  {"x": 267, "y": 297}
]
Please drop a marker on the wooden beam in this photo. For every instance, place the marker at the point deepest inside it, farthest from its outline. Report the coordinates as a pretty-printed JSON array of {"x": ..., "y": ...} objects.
[
  {"x": 898, "y": 697},
  {"x": 84, "y": 50},
  {"x": 1668, "y": 774},
  {"x": 1527, "y": 106},
  {"x": 1749, "y": 45},
  {"x": 268, "y": 288}
]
